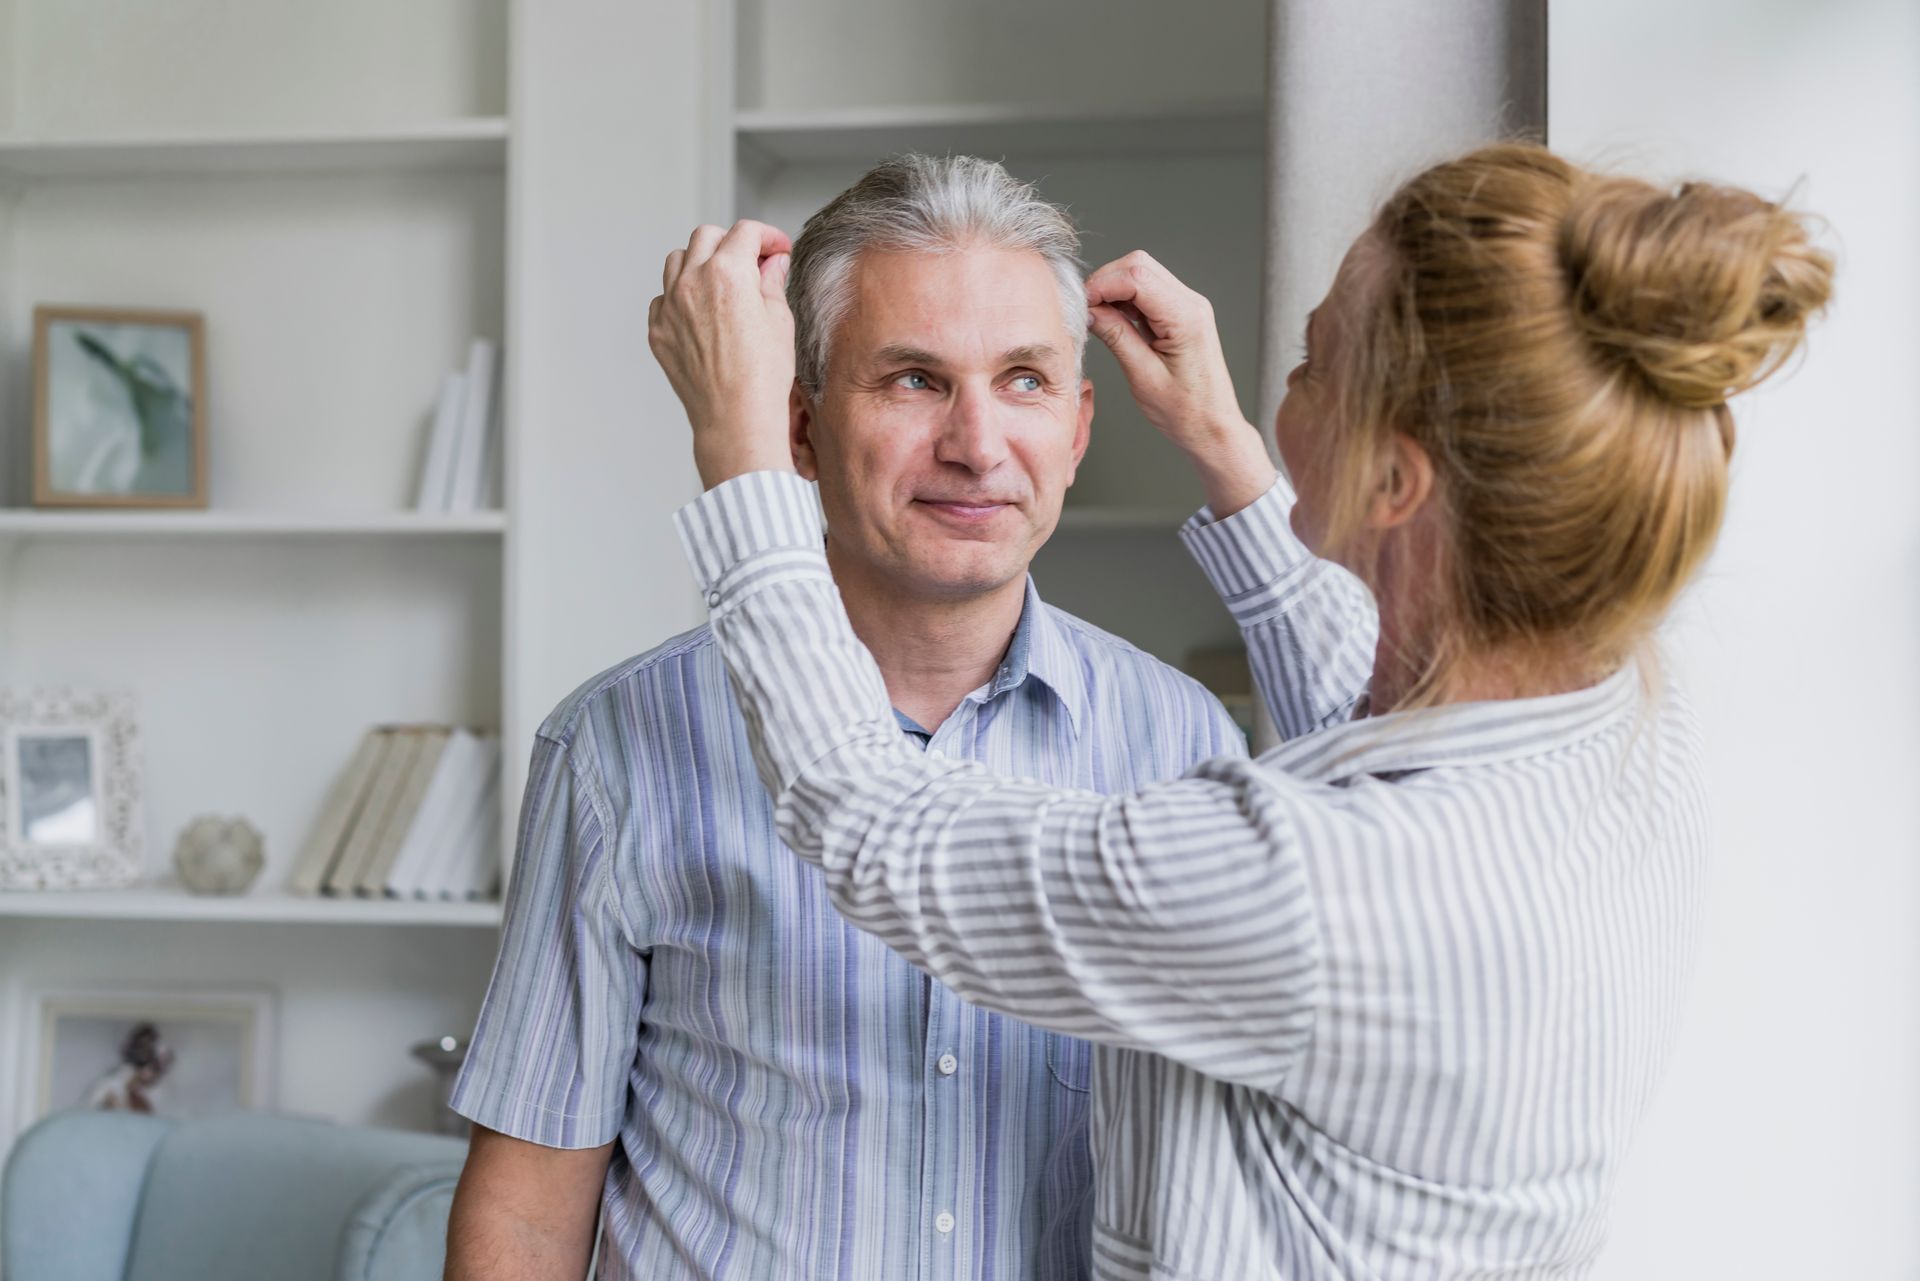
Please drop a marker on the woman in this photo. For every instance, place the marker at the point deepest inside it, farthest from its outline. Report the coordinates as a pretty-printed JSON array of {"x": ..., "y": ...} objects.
[{"x": 1388, "y": 1001}]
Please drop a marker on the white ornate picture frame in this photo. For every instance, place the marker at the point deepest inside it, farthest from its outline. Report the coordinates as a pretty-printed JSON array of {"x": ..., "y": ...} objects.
[{"x": 71, "y": 799}]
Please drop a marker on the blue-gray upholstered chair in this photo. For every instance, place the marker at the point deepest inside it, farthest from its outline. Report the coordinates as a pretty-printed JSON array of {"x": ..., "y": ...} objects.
[{"x": 112, "y": 1196}]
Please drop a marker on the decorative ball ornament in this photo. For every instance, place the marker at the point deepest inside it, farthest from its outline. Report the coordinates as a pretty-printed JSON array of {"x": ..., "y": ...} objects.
[{"x": 219, "y": 855}]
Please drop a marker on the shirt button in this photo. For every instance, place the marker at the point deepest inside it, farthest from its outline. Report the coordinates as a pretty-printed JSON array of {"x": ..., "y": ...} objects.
[
  {"x": 944, "y": 1222},
  {"x": 948, "y": 1065},
  {"x": 934, "y": 751},
  {"x": 713, "y": 600}
]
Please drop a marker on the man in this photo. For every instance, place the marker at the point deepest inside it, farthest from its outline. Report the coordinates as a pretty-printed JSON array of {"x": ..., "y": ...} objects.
[{"x": 680, "y": 1029}]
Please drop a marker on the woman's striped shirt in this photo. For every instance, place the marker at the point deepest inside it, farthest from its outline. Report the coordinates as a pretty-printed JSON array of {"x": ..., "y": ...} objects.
[{"x": 1385, "y": 1003}]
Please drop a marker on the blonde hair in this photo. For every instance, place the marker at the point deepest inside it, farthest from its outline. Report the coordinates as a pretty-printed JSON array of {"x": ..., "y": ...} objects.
[{"x": 1563, "y": 344}]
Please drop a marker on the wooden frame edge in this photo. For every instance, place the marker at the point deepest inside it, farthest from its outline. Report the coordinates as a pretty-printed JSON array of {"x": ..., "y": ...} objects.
[{"x": 44, "y": 495}]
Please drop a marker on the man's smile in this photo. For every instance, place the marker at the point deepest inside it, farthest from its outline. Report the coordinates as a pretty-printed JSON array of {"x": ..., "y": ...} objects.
[{"x": 969, "y": 511}]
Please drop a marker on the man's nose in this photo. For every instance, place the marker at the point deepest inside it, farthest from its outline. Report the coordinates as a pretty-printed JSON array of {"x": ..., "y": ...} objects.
[{"x": 971, "y": 435}]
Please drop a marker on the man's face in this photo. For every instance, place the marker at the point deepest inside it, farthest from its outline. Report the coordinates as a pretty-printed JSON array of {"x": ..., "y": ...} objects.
[{"x": 951, "y": 420}]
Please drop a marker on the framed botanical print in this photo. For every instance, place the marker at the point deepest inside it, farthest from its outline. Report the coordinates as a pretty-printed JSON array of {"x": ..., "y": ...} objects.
[{"x": 120, "y": 408}]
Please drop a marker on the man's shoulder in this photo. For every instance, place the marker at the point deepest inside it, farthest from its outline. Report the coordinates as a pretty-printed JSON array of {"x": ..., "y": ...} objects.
[
  {"x": 1109, "y": 660},
  {"x": 678, "y": 668}
]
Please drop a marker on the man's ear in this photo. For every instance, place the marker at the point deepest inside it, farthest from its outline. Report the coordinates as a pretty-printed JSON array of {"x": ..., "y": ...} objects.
[
  {"x": 1083, "y": 426},
  {"x": 1404, "y": 484},
  {"x": 800, "y": 424}
]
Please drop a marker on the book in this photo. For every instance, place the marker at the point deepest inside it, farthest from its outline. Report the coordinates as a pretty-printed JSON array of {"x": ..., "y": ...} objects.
[
  {"x": 481, "y": 850},
  {"x": 436, "y": 472},
  {"x": 367, "y": 829},
  {"x": 446, "y": 863},
  {"x": 453, "y": 776},
  {"x": 337, "y": 813},
  {"x": 467, "y": 491},
  {"x": 405, "y": 811}
]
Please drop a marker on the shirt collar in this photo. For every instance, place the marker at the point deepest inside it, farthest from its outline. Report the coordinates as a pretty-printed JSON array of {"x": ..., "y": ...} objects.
[
  {"x": 1040, "y": 649},
  {"x": 1459, "y": 733}
]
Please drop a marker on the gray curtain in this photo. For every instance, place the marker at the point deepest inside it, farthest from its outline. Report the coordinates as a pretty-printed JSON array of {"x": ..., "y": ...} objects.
[{"x": 1361, "y": 96}]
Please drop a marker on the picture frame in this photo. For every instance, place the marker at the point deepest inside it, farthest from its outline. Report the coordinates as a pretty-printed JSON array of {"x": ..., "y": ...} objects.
[
  {"x": 174, "y": 1052},
  {"x": 119, "y": 407},
  {"x": 71, "y": 790}
]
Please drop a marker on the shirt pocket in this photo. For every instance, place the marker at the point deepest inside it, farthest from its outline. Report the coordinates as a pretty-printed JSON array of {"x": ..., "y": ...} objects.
[{"x": 1070, "y": 1062}]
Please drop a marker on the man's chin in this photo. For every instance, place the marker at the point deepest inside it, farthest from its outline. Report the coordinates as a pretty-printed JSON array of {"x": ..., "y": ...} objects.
[{"x": 956, "y": 576}]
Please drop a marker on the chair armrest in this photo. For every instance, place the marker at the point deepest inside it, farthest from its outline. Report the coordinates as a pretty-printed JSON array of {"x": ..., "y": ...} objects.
[
  {"x": 71, "y": 1194},
  {"x": 399, "y": 1231}
]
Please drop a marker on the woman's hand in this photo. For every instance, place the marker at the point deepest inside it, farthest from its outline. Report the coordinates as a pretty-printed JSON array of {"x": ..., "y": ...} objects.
[
  {"x": 1163, "y": 335},
  {"x": 722, "y": 332}
]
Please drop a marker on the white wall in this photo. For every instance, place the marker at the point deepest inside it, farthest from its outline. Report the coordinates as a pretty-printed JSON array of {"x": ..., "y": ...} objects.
[{"x": 1786, "y": 1142}]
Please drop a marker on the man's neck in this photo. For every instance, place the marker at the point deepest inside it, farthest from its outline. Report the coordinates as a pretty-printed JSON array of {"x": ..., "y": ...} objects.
[{"x": 932, "y": 652}]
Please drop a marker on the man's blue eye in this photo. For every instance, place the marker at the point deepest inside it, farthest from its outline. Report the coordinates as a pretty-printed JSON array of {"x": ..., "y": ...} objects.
[
  {"x": 913, "y": 382},
  {"x": 1027, "y": 378}
]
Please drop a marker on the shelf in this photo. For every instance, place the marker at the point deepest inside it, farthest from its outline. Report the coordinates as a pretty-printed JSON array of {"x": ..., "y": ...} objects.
[
  {"x": 865, "y": 134},
  {"x": 477, "y": 144},
  {"x": 1120, "y": 519},
  {"x": 167, "y": 901},
  {"x": 20, "y": 523}
]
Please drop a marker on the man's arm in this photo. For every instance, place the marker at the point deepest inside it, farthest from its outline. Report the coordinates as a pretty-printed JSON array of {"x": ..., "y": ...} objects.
[
  {"x": 523, "y": 1210},
  {"x": 545, "y": 1079}
]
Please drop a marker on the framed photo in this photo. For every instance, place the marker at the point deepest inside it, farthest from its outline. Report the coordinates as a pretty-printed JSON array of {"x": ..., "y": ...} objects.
[
  {"x": 71, "y": 815},
  {"x": 174, "y": 1053},
  {"x": 119, "y": 408}
]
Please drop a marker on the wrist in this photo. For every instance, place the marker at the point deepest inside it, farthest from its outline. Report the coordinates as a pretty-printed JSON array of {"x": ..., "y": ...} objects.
[
  {"x": 1234, "y": 466},
  {"x": 722, "y": 460}
]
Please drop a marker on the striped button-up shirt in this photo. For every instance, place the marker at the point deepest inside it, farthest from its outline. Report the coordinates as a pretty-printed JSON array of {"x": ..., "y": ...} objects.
[
  {"x": 791, "y": 1099},
  {"x": 1385, "y": 1003}
]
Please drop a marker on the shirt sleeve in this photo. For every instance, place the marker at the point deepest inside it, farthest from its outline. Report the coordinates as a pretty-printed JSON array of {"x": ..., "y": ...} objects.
[
  {"x": 1310, "y": 626},
  {"x": 1176, "y": 920},
  {"x": 552, "y": 1052}
]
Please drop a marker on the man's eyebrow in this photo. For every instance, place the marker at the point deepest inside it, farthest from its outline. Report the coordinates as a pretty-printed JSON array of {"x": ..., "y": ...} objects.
[
  {"x": 900, "y": 354},
  {"x": 897, "y": 354},
  {"x": 1031, "y": 354}
]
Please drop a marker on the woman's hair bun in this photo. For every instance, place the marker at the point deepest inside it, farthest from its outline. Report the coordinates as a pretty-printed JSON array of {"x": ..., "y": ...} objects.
[{"x": 1702, "y": 290}]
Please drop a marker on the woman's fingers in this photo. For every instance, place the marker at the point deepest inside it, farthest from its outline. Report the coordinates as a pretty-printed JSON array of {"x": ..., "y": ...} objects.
[
  {"x": 761, "y": 240},
  {"x": 1157, "y": 295},
  {"x": 701, "y": 244},
  {"x": 1123, "y": 338}
]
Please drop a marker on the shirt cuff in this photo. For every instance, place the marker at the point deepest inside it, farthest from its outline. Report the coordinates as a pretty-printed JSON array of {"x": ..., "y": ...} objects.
[
  {"x": 750, "y": 531},
  {"x": 1251, "y": 550}
]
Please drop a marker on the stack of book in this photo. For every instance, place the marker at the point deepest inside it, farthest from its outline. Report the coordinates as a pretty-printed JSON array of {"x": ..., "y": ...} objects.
[
  {"x": 415, "y": 814},
  {"x": 461, "y": 471}
]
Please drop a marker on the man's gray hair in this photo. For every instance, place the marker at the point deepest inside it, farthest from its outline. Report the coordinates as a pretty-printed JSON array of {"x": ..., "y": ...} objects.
[{"x": 923, "y": 204}]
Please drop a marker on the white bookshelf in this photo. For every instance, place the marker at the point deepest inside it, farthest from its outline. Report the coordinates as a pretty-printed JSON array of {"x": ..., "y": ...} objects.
[
  {"x": 16, "y": 524},
  {"x": 328, "y": 187},
  {"x": 454, "y": 145},
  {"x": 171, "y": 902}
]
